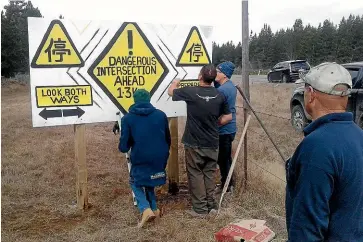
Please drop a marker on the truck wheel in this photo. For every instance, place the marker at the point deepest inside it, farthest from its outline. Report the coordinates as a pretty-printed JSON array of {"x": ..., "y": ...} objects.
[
  {"x": 285, "y": 78},
  {"x": 298, "y": 118}
]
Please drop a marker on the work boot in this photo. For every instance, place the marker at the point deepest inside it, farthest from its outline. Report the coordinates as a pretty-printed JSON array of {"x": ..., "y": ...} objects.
[
  {"x": 213, "y": 212},
  {"x": 147, "y": 216},
  {"x": 230, "y": 189},
  {"x": 194, "y": 214},
  {"x": 219, "y": 189}
]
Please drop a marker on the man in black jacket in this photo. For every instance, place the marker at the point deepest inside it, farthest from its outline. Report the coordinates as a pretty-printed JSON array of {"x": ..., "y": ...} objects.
[{"x": 206, "y": 110}]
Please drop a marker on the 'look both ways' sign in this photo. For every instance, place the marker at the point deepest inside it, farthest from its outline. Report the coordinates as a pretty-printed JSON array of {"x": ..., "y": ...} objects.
[{"x": 87, "y": 71}]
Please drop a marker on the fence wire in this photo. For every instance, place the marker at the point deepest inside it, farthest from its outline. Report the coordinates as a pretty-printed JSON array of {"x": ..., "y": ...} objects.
[
  {"x": 260, "y": 136},
  {"x": 271, "y": 173},
  {"x": 268, "y": 114},
  {"x": 259, "y": 166}
]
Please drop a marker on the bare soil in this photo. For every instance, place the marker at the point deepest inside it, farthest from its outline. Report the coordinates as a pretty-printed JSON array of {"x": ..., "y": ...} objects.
[{"x": 38, "y": 178}]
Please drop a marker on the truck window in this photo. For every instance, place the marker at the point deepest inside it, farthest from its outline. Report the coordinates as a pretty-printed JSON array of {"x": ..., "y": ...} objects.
[
  {"x": 278, "y": 65},
  {"x": 285, "y": 65},
  {"x": 300, "y": 65},
  {"x": 354, "y": 73}
]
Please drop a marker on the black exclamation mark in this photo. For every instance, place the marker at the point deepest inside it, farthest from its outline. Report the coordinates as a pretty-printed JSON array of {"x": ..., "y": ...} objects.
[{"x": 131, "y": 43}]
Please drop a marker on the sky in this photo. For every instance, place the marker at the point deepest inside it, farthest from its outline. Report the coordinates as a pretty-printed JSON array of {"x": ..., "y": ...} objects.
[{"x": 225, "y": 16}]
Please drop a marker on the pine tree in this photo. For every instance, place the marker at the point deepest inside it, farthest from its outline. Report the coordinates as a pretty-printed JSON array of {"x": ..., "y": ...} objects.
[
  {"x": 327, "y": 42},
  {"x": 14, "y": 37},
  {"x": 357, "y": 39}
]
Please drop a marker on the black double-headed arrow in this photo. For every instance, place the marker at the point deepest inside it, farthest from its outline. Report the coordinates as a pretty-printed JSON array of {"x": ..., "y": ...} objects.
[{"x": 46, "y": 113}]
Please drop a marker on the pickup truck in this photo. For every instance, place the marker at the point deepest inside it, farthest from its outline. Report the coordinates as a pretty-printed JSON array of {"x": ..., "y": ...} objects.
[
  {"x": 300, "y": 119},
  {"x": 287, "y": 71}
]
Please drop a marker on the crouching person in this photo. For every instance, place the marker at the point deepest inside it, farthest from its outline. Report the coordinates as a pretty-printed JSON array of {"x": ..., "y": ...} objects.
[{"x": 145, "y": 131}]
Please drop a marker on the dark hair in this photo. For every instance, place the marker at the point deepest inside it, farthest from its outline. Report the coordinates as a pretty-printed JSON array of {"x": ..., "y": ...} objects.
[{"x": 209, "y": 73}]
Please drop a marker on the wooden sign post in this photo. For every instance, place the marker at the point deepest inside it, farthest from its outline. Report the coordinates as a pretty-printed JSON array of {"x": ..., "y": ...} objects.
[
  {"x": 245, "y": 79},
  {"x": 173, "y": 164},
  {"x": 81, "y": 166}
]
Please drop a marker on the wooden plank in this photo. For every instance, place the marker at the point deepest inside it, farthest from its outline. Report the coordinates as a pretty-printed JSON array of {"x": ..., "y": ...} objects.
[
  {"x": 173, "y": 164},
  {"x": 81, "y": 166}
]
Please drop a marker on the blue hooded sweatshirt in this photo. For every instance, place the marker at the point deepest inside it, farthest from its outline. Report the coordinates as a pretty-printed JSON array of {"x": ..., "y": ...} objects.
[
  {"x": 230, "y": 93},
  {"x": 145, "y": 130},
  {"x": 324, "y": 193}
]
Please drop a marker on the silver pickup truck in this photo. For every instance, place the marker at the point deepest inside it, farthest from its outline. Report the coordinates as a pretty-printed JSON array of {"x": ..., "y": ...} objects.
[{"x": 300, "y": 119}]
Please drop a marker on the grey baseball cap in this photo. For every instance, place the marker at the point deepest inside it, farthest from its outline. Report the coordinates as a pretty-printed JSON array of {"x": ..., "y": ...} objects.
[{"x": 326, "y": 76}]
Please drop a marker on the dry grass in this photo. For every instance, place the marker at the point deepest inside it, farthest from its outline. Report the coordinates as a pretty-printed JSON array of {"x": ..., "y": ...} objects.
[{"x": 38, "y": 179}]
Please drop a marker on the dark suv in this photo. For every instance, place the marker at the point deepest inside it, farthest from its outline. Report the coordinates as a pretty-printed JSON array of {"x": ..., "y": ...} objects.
[
  {"x": 287, "y": 71},
  {"x": 299, "y": 117}
]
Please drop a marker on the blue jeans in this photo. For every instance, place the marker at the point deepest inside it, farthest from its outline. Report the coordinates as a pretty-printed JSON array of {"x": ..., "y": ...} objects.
[
  {"x": 225, "y": 157},
  {"x": 145, "y": 197}
]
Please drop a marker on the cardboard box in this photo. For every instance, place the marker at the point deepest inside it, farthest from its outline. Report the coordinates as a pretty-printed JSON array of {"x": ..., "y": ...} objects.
[{"x": 245, "y": 230}]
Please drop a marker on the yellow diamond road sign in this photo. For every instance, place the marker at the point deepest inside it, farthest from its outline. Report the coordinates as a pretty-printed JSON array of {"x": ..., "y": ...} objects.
[
  {"x": 129, "y": 62},
  {"x": 194, "y": 52},
  {"x": 57, "y": 49}
]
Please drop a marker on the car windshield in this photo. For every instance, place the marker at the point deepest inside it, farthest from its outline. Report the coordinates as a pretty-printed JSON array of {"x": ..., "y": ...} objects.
[{"x": 300, "y": 65}]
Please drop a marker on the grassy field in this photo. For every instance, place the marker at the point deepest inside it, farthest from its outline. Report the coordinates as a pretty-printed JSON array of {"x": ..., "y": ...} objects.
[{"x": 38, "y": 179}]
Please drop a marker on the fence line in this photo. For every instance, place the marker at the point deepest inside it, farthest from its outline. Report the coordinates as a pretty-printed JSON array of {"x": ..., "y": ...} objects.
[
  {"x": 258, "y": 133},
  {"x": 273, "y": 115},
  {"x": 268, "y": 114},
  {"x": 260, "y": 136},
  {"x": 271, "y": 173}
]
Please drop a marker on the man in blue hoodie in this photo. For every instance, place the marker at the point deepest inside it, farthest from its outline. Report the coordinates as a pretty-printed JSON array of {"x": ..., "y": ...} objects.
[
  {"x": 324, "y": 193},
  {"x": 228, "y": 131},
  {"x": 145, "y": 131}
]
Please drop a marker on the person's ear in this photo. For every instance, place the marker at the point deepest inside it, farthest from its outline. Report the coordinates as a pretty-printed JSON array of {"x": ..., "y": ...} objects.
[
  {"x": 225, "y": 77},
  {"x": 312, "y": 95}
]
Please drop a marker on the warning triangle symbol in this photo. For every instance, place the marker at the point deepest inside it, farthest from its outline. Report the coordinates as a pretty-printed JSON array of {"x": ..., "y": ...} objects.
[
  {"x": 194, "y": 52},
  {"x": 57, "y": 49}
]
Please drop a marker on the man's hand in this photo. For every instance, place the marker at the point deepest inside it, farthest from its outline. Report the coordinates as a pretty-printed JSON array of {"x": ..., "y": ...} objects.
[
  {"x": 174, "y": 85},
  {"x": 224, "y": 119},
  {"x": 176, "y": 82}
]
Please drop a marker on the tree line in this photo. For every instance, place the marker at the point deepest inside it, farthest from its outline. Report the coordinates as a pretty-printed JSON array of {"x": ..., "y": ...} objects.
[
  {"x": 341, "y": 43},
  {"x": 14, "y": 37},
  {"x": 328, "y": 42}
]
